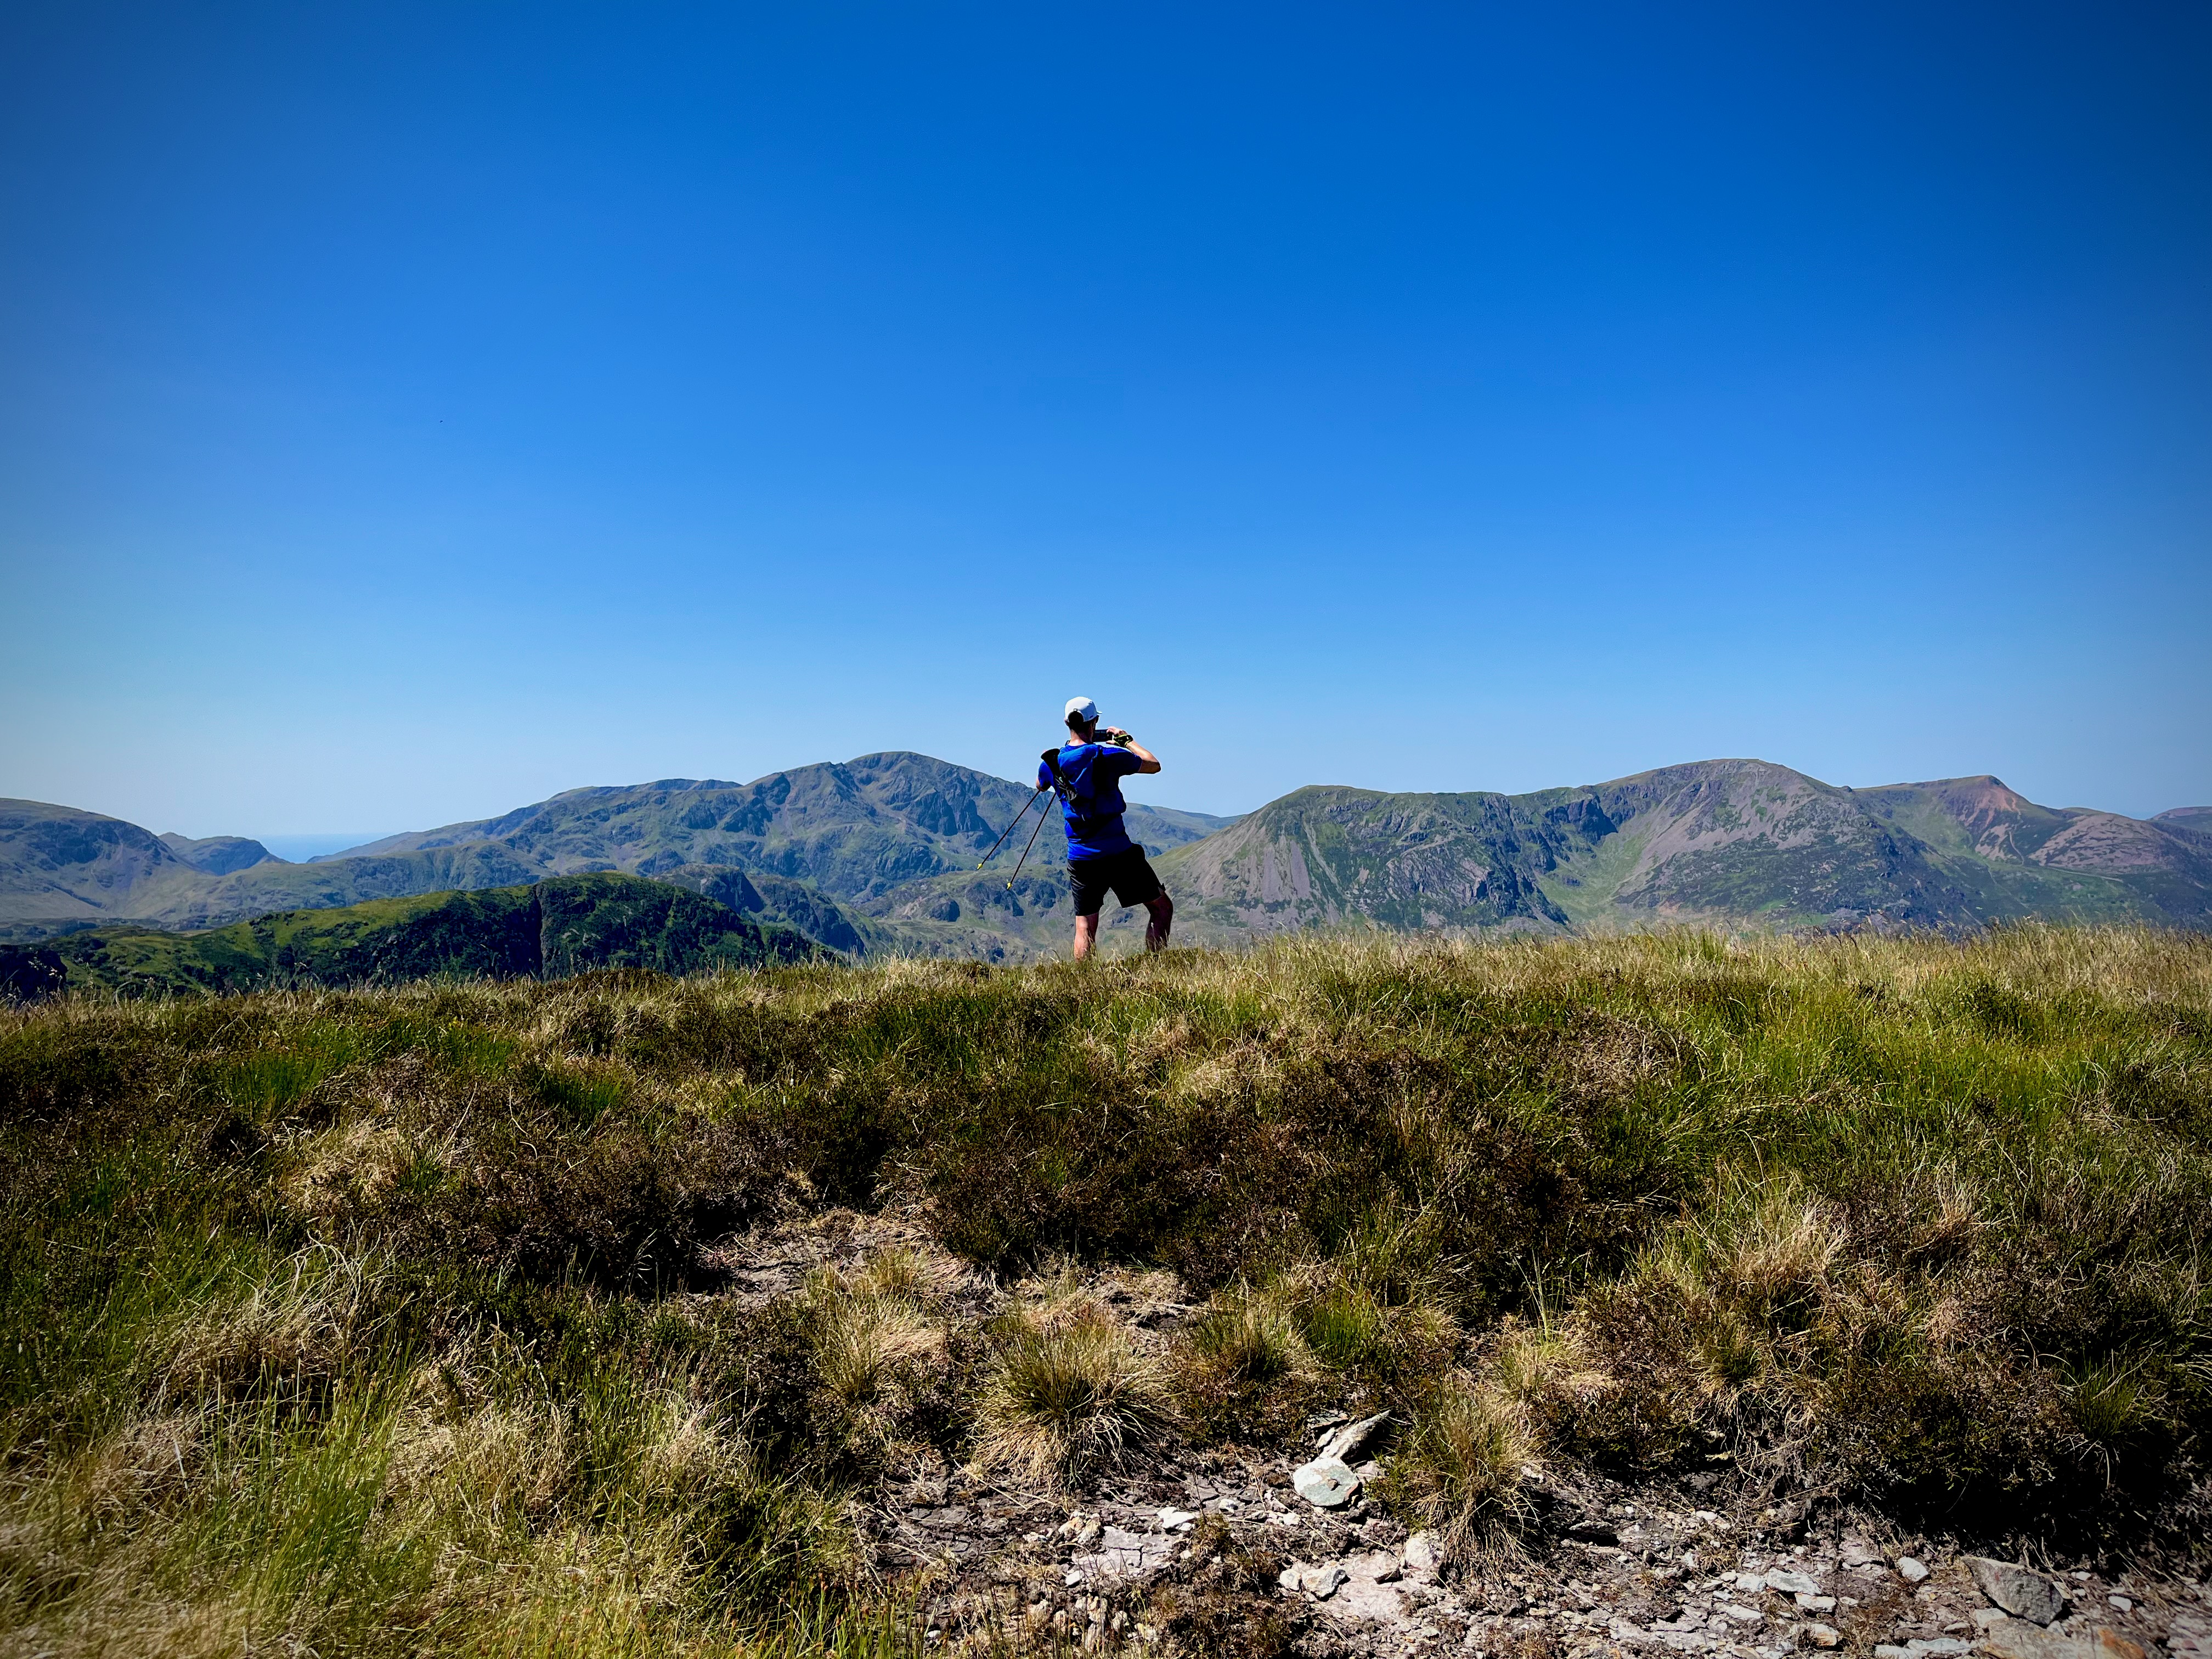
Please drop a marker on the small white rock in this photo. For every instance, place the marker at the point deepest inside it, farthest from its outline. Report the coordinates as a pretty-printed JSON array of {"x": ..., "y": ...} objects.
[
  {"x": 1326, "y": 1483},
  {"x": 1824, "y": 1636},
  {"x": 1377, "y": 1566},
  {"x": 1320, "y": 1582},
  {"x": 1910, "y": 1570},
  {"x": 1353, "y": 1438}
]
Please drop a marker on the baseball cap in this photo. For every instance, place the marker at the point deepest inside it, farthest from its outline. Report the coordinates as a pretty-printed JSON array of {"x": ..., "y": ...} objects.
[{"x": 1081, "y": 708}]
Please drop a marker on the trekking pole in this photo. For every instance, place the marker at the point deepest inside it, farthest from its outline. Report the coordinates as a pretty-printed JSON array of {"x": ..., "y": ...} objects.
[
  {"x": 1024, "y": 858},
  {"x": 1009, "y": 830}
]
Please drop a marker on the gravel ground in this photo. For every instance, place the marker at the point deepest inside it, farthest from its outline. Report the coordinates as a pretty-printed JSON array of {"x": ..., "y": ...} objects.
[
  {"x": 1185, "y": 1551},
  {"x": 1208, "y": 1544}
]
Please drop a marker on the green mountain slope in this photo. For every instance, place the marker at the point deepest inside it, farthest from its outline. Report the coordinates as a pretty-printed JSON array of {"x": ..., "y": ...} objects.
[
  {"x": 1735, "y": 841},
  {"x": 788, "y": 903},
  {"x": 554, "y": 928},
  {"x": 59, "y": 865}
]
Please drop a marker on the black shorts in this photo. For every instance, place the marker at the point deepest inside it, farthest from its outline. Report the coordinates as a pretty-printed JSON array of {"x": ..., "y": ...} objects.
[{"x": 1126, "y": 873}]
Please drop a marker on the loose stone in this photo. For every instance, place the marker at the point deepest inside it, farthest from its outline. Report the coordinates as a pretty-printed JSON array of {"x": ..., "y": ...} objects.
[
  {"x": 2021, "y": 1591},
  {"x": 1327, "y": 1483}
]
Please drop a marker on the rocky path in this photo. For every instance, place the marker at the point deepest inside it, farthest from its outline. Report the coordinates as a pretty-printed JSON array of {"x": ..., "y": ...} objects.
[
  {"x": 1209, "y": 1555},
  {"x": 1181, "y": 1551}
]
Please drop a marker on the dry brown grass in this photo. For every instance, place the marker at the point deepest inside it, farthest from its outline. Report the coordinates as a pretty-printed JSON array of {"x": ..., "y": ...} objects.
[{"x": 1068, "y": 1391}]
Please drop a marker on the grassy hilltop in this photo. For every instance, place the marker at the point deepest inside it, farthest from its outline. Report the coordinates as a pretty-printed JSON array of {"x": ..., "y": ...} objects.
[{"x": 624, "y": 1314}]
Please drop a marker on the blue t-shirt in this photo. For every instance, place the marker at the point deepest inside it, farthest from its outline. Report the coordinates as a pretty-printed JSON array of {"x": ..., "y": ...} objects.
[{"x": 1090, "y": 797}]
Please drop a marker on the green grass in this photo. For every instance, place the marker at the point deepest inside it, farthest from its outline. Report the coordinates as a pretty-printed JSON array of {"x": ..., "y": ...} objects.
[{"x": 386, "y": 1321}]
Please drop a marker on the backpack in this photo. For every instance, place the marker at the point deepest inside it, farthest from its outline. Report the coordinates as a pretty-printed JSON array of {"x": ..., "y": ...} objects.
[{"x": 1078, "y": 806}]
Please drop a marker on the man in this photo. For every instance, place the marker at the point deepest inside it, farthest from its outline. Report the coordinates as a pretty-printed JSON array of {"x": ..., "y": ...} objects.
[{"x": 1086, "y": 772}]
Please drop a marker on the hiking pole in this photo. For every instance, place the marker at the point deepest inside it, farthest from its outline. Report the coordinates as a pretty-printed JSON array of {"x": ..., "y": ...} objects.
[
  {"x": 1024, "y": 858},
  {"x": 1009, "y": 830}
]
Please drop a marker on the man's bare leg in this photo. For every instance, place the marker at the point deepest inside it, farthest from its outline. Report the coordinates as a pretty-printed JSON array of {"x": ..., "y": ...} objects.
[
  {"x": 1086, "y": 933},
  {"x": 1156, "y": 932}
]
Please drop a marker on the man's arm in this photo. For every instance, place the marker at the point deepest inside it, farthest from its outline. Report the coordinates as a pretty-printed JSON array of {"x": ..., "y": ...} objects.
[{"x": 1147, "y": 760}]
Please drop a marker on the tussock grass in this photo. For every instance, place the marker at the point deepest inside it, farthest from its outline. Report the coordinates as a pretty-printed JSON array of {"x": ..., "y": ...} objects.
[
  {"x": 882, "y": 1345},
  {"x": 1246, "y": 1338},
  {"x": 1459, "y": 1470},
  {"x": 1066, "y": 1395},
  {"x": 391, "y": 1320}
]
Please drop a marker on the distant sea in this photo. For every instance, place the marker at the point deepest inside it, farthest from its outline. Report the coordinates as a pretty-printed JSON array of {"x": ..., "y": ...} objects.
[{"x": 298, "y": 849}]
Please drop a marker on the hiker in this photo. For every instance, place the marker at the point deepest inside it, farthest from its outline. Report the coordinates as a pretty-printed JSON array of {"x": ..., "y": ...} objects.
[{"x": 1086, "y": 773}]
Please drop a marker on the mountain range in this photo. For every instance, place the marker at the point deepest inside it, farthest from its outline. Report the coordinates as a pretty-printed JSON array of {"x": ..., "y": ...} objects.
[
  {"x": 853, "y": 834},
  {"x": 1729, "y": 842},
  {"x": 878, "y": 854}
]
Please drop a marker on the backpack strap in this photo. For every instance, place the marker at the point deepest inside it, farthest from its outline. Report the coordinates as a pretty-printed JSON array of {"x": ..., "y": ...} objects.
[{"x": 1064, "y": 786}]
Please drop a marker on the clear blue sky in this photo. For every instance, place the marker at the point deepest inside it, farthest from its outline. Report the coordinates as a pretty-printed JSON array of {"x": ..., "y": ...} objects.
[{"x": 408, "y": 412}]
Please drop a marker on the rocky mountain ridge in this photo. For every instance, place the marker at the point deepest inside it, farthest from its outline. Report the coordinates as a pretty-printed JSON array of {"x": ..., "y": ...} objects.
[
  {"x": 1736, "y": 841},
  {"x": 856, "y": 830}
]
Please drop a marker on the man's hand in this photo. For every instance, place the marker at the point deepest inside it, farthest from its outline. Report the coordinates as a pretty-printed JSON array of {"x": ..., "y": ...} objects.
[{"x": 1115, "y": 734}]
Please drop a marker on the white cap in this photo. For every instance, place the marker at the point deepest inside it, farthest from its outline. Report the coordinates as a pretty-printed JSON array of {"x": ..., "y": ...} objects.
[{"x": 1082, "y": 708}]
